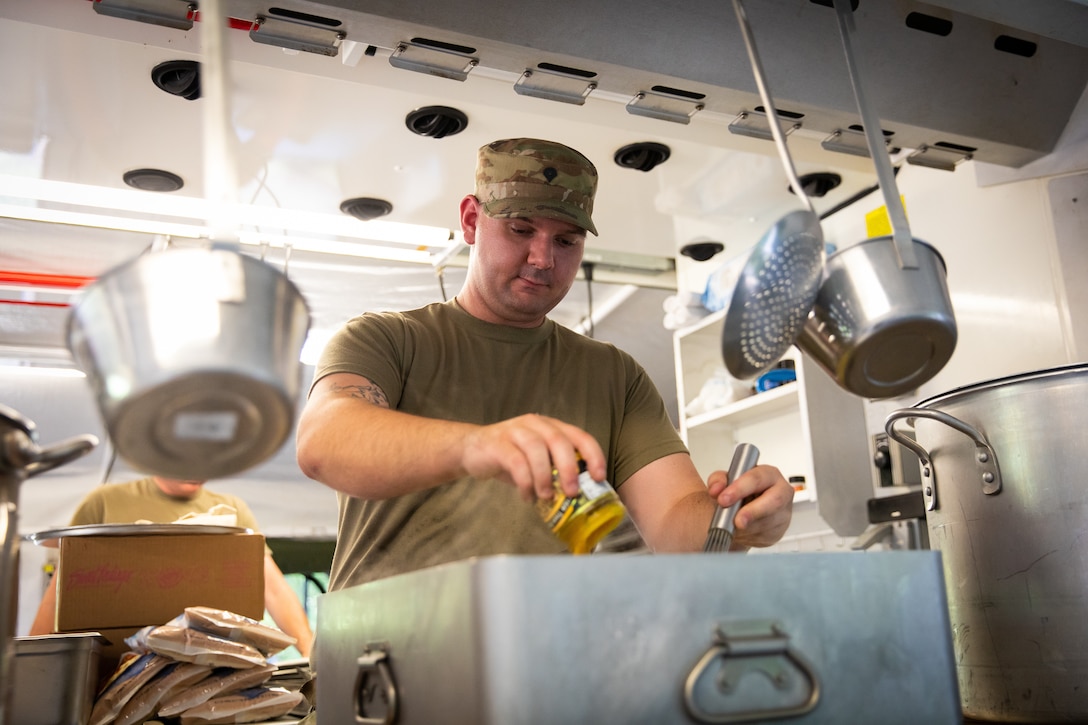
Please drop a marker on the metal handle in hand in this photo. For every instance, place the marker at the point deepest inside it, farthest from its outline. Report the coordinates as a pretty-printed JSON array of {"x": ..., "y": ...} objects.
[{"x": 744, "y": 458}]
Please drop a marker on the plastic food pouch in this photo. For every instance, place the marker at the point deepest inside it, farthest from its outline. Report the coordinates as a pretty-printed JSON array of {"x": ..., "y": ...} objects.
[
  {"x": 190, "y": 645},
  {"x": 237, "y": 628},
  {"x": 126, "y": 680},
  {"x": 253, "y": 705},
  {"x": 137, "y": 641},
  {"x": 171, "y": 679},
  {"x": 222, "y": 681}
]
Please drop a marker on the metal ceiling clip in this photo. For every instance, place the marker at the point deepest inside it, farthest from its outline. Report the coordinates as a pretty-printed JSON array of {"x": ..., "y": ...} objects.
[
  {"x": 297, "y": 35},
  {"x": 553, "y": 86},
  {"x": 940, "y": 157},
  {"x": 757, "y": 125},
  {"x": 847, "y": 141},
  {"x": 663, "y": 106},
  {"x": 168, "y": 13},
  {"x": 433, "y": 61}
]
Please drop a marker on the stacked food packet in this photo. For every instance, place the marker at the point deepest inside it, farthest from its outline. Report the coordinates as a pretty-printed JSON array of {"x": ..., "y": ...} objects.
[{"x": 204, "y": 667}]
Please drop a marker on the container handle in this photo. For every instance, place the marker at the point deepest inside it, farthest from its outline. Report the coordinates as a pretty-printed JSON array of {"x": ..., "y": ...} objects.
[
  {"x": 758, "y": 649},
  {"x": 375, "y": 690},
  {"x": 985, "y": 456}
]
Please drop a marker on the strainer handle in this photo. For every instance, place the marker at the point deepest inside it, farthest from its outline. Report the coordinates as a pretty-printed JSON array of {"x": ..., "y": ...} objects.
[{"x": 765, "y": 96}]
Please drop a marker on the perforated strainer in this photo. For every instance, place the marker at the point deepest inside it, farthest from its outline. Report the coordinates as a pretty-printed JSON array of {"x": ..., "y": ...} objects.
[
  {"x": 773, "y": 296},
  {"x": 779, "y": 283}
]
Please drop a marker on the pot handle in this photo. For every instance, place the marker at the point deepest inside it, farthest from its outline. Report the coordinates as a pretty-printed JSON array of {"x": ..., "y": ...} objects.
[{"x": 985, "y": 457}]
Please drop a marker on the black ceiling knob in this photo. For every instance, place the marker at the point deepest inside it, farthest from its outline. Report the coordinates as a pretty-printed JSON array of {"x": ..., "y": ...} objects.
[
  {"x": 818, "y": 184},
  {"x": 153, "y": 180},
  {"x": 436, "y": 121},
  {"x": 643, "y": 156},
  {"x": 178, "y": 78},
  {"x": 366, "y": 208},
  {"x": 701, "y": 251}
]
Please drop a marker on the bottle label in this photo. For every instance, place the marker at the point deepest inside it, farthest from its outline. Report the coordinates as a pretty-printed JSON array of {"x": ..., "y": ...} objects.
[
  {"x": 563, "y": 508},
  {"x": 592, "y": 489}
]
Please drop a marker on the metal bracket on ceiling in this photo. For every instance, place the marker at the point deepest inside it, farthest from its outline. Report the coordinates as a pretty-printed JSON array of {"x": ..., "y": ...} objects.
[
  {"x": 433, "y": 61},
  {"x": 757, "y": 125},
  {"x": 168, "y": 13},
  {"x": 554, "y": 86},
  {"x": 664, "y": 106},
  {"x": 296, "y": 35},
  {"x": 939, "y": 157},
  {"x": 847, "y": 141}
]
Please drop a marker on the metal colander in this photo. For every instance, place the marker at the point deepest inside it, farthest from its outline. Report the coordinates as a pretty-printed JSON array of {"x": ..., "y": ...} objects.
[
  {"x": 773, "y": 296},
  {"x": 779, "y": 283}
]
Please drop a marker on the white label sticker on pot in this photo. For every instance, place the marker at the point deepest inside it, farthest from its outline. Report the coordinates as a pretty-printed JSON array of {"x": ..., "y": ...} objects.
[{"x": 205, "y": 426}]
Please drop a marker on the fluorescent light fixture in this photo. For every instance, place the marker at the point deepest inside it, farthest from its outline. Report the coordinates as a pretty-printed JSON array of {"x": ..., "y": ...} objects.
[
  {"x": 101, "y": 221},
  {"x": 258, "y": 239},
  {"x": 333, "y": 246},
  {"x": 239, "y": 215},
  {"x": 34, "y": 370}
]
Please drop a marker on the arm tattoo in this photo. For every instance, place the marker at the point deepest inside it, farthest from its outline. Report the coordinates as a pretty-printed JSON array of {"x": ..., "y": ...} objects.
[{"x": 369, "y": 392}]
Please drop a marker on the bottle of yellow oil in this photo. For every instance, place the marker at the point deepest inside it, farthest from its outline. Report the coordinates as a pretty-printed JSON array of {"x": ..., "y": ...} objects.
[{"x": 582, "y": 521}]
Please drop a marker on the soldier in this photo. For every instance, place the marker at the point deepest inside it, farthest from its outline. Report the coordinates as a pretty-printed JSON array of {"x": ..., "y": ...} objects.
[{"x": 438, "y": 425}]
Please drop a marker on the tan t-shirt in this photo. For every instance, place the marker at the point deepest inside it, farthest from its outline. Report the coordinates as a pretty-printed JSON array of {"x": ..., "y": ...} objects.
[
  {"x": 126, "y": 503},
  {"x": 440, "y": 362}
]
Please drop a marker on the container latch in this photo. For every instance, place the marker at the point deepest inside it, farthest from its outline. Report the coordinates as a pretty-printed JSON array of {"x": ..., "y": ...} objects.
[
  {"x": 375, "y": 690},
  {"x": 750, "y": 673}
]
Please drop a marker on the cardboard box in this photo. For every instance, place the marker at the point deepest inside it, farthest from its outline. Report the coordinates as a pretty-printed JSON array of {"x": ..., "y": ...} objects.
[{"x": 127, "y": 582}]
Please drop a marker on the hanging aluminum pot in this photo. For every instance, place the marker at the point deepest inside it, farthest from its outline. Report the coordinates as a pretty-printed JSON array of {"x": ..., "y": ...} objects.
[
  {"x": 882, "y": 323},
  {"x": 193, "y": 355},
  {"x": 1003, "y": 463},
  {"x": 877, "y": 329}
]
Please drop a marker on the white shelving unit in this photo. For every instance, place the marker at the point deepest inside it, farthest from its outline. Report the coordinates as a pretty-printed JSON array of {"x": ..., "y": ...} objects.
[{"x": 809, "y": 427}]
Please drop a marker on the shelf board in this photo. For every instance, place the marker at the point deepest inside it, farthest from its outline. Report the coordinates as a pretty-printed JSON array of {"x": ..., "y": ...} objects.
[
  {"x": 714, "y": 318},
  {"x": 761, "y": 405}
]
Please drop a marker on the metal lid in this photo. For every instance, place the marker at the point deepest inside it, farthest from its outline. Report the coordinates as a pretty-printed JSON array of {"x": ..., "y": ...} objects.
[{"x": 134, "y": 530}]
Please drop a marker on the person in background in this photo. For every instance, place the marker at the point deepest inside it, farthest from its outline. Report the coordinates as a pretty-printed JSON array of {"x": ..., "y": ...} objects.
[
  {"x": 439, "y": 426},
  {"x": 164, "y": 500}
]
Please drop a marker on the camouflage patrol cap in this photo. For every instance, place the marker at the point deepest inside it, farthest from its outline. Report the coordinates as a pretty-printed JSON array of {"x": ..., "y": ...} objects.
[{"x": 527, "y": 177}]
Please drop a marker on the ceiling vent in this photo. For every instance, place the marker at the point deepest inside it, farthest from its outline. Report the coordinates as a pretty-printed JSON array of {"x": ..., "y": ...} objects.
[
  {"x": 436, "y": 121},
  {"x": 702, "y": 250},
  {"x": 818, "y": 184},
  {"x": 153, "y": 180},
  {"x": 178, "y": 78},
  {"x": 366, "y": 208},
  {"x": 642, "y": 156}
]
